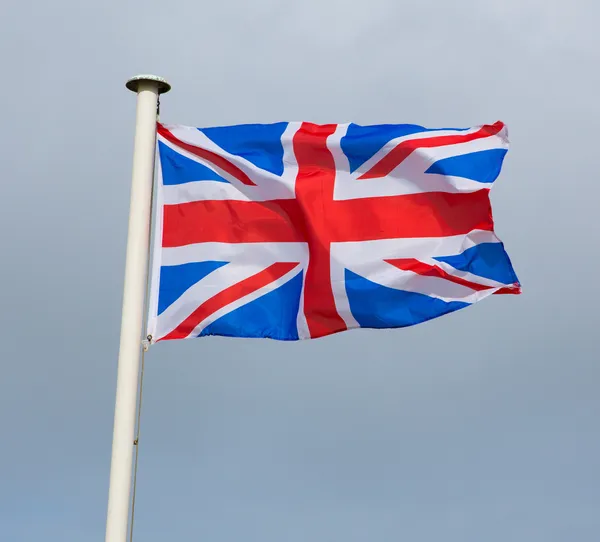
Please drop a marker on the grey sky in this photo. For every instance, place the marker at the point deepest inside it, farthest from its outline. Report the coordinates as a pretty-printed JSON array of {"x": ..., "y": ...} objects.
[{"x": 481, "y": 425}]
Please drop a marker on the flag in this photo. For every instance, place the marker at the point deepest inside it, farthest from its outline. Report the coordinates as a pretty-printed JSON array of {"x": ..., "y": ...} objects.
[{"x": 297, "y": 230}]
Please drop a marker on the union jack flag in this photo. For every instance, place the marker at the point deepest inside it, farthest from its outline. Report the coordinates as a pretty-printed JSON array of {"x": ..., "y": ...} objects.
[{"x": 299, "y": 230}]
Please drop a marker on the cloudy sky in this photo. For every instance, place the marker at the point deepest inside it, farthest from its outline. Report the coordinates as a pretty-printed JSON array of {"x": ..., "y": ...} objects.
[{"x": 482, "y": 425}]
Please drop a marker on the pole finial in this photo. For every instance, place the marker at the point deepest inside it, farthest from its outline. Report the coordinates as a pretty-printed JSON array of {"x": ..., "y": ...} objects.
[{"x": 134, "y": 83}]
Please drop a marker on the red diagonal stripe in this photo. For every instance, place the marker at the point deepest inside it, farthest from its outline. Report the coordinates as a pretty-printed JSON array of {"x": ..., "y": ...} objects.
[
  {"x": 229, "y": 295},
  {"x": 514, "y": 289},
  {"x": 426, "y": 270},
  {"x": 397, "y": 155},
  {"x": 209, "y": 156}
]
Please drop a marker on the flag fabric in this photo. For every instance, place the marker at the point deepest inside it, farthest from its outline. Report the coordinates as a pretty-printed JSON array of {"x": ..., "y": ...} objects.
[{"x": 297, "y": 230}]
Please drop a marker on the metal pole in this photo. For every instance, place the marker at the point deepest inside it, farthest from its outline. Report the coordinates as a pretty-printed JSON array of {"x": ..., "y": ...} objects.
[{"x": 147, "y": 87}]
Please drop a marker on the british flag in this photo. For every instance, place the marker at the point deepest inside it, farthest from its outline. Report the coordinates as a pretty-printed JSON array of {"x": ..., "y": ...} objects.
[{"x": 298, "y": 230}]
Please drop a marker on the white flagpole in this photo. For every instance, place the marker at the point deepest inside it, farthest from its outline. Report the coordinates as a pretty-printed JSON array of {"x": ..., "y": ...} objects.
[{"x": 148, "y": 88}]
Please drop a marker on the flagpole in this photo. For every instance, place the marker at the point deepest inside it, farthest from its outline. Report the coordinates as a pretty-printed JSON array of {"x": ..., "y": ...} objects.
[{"x": 148, "y": 88}]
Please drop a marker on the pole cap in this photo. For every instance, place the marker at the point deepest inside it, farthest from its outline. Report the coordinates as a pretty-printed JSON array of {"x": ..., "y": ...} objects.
[{"x": 134, "y": 83}]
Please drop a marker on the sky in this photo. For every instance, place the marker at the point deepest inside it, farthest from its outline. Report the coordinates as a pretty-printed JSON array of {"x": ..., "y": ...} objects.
[{"x": 480, "y": 425}]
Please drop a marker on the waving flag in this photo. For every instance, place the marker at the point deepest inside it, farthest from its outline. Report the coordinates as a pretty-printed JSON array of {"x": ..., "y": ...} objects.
[{"x": 298, "y": 230}]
